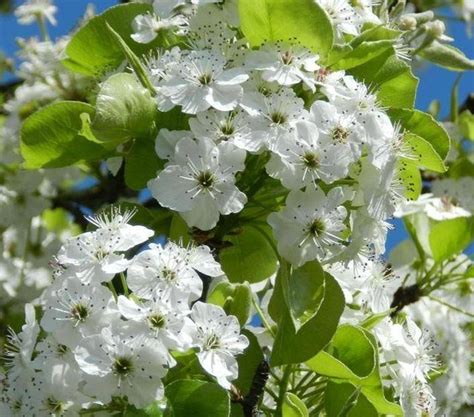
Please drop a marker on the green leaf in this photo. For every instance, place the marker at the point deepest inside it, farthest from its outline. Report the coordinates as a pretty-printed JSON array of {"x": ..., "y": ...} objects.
[
  {"x": 293, "y": 407},
  {"x": 303, "y": 21},
  {"x": 466, "y": 124},
  {"x": 304, "y": 290},
  {"x": 141, "y": 164},
  {"x": 390, "y": 77},
  {"x": 352, "y": 356},
  {"x": 134, "y": 61},
  {"x": 235, "y": 299},
  {"x": 410, "y": 178},
  {"x": 59, "y": 220},
  {"x": 292, "y": 346},
  {"x": 425, "y": 126},
  {"x": 447, "y": 56},
  {"x": 124, "y": 110},
  {"x": 250, "y": 258},
  {"x": 361, "y": 54},
  {"x": 338, "y": 396},
  {"x": 202, "y": 399},
  {"x": 376, "y": 33},
  {"x": 51, "y": 137},
  {"x": 450, "y": 237},
  {"x": 93, "y": 50},
  {"x": 424, "y": 153},
  {"x": 248, "y": 362},
  {"x": 179, "y": 230}
]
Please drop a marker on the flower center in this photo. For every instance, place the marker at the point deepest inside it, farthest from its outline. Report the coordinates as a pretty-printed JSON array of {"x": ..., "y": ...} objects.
[
  {"x": 339, "y": 134},
  {"x": 316, "y": 228},
  {"x": 123, "y": 366},
  {"x": 226, "y": 128},
  {"x": 53, "y": 405},
  {"x": 205, "y": 79},
  {"x": 310, "y": 160},
  {"x": 61, "y": 349},
  {"x": 167, "y": 274},
  {"x": 212, "y": 342},
  {"x": 156, "y": 321},
  {"x": 206, "y": 179},
  {"x": 278, "y": 117},
  {"x": 287, "y": 57},
  {"x": 80, "y": 312}
]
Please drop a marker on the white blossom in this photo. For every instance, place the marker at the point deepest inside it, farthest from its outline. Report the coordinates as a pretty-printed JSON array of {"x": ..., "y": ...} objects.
[
  {"x": 311, "y": 225},
  {"x": 219, "y": 341},
  {"x": 200, "y": 182}
]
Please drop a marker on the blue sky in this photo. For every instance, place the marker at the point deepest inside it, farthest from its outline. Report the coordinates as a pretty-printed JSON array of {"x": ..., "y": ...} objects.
[{"x": 435, "y": 82}]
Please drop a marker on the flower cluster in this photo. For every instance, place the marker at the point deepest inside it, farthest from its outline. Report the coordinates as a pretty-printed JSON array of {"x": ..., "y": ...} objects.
[
  {"x": 283, "y": 163},
  {"x": 96, "y": 345},
  {"x": 243, "y": 102}
]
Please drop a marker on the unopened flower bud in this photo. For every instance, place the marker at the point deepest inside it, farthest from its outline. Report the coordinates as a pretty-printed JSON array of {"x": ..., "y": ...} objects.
[
  {"x": 436, "y": 28},
  {"x": 407, "y": 23}
]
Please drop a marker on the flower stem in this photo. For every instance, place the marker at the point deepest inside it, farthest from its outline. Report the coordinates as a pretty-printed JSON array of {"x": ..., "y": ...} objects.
[
  {"x": 123, "y": 280},
  {"x": 283, "y": 388},
  {"x": 262, "y": 316}
]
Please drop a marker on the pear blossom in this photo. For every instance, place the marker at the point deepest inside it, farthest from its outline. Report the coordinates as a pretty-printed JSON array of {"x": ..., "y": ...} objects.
[
  {"x": 171, "y": 269},
  {"x": 31, "y": 10},
  {"x": 233, "y": 127},
  {"x": 311, "y": 225},
  {"x": 286, "y": 65},
  {"x": 76, "y": 309},
  {"x": 305, "y": 156},
  {"x": 120, "y": 363},
  {"x": 200, "y": 182},
  {"x": 201, "y": 80},
  {"x": 92, "y": 255},
  {"x": 273, "y": 115},
  {"x": 219, "y": 340},
  {"x": 343, "y": 16},
  {"x": 147, "y": 26},
  {"x": 162, "y": 320}
]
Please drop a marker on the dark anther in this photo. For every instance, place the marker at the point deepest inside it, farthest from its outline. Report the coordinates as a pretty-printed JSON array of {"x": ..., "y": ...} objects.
[{"x": 405, "y": 296}]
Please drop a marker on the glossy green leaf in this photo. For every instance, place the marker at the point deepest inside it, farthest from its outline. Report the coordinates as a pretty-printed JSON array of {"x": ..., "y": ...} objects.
[
  {"x": 133, "y": 60},
  {"x": 447, "y": 56},
  {"x": 51, "y": 137},
  {"x": 296, "y": 346},
  {"x": 409, "y": 177},
  {"x": 179, "y": 230},
  {"x": 293, "y": 407},
  {"x": 304, "y": 289},
  {"x": 248, "y": 362},
  {"x": 93, "y": 50},
  {"x": 360, "y": 54},
  {"x": 235, "y": 299},
  {"x": 352, "y": 357},
  {"x": 141, "y": 164},
  {"x": 124, "y": 110},
  {"x": 205, "y": 399},
  {"x": 342, "y": 399},
  {"x": 424, "y": 154},
  {"x": 390, "y": 77},
  {"x": 249, "y": 258},
  {"x": 450, "y": 237},
  {"x": 287, "y": 20},
  {"x": 466, "y": 124},
  {"x": 425, "y": 126}
]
